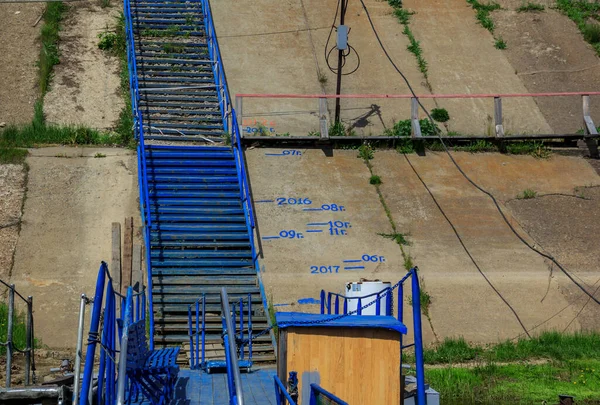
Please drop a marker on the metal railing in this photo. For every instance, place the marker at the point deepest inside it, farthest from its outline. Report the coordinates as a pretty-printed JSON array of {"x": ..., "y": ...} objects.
[
  {"x": 234, "y": 378},
  {"x": 138, "y": 128},
  {"x": 281, "y": 394},
  {"x": 28, "y": 351},
  {"x": 589, "y": 129},
  {"x": 320, "y": 396},
  {"x": 108, "y": 334},
  {"x": 386, "y": 295},
  {"x": 241, "y": 326}
]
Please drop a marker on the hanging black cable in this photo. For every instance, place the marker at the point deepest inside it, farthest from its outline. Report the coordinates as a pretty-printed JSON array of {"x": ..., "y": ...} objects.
[{"x": 490, "y": 195}]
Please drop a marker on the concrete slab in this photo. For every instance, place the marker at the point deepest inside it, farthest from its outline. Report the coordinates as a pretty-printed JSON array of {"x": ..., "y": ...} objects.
[
  {"x": 279, "y": 47},
  {"x": 72, "y": 199},
  {"x": 297, "y": 268},
  {"x": 462, "y": 301},
  {"x": 462, "y": 59}
]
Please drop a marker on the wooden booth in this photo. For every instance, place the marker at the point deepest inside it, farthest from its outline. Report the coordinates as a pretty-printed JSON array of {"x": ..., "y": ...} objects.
[{"x": 357, "y": 358}]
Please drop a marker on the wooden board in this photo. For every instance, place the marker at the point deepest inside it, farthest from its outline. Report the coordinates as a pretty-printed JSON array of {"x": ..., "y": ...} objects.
[
  {"x": 360, "y": 366},
  {"x": 137, "y": 274},
  {"x": 115, "y": 264},
  {"x": 126, "y": 278}
]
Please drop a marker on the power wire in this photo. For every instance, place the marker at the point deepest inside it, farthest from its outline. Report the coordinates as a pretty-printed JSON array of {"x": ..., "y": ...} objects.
[
  {"x": 490, "y": 195},
  {"x": 345, "y": 54}
]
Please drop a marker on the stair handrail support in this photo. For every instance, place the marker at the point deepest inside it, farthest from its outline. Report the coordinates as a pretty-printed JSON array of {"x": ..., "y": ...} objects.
[
  {"x": 138, "y": 129},
  {"x": 234, "y": 380}
]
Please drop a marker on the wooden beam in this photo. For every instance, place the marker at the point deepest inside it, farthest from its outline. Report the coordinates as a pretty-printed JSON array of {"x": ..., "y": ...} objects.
[
  {"x": 115, "y": 268},
  {"x": 137, "y": 275},
  {"x": 126, "y": 279}
]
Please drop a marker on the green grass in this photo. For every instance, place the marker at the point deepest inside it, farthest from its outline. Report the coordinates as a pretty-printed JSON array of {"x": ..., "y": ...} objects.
[
  {"x": 366, "y": 152},
  {"x": 517, "y": 383},
  {"x": 482, "y": 13},
  {"x": 272, "y": 317},
  {"x": 19, "y": 328},
  {"x": 499, "y": 43},
  {"x": 397, "y": 237},
  {"x": 414, "y": 47},
  {"x": 581, "y": 12},
  {"x": 339, "y": 129},
  {"x": 536, "y": 149},
  {"x": 530, "y": 7},
  {"x": 49, "y": 53},
  {"x": 12, "y": 155},
  {"x": 548, "y": 345},
  {"x": 375, "y": 180},
  {"x": 440, "y": 115},
  {"x": 527, "y": 194}
]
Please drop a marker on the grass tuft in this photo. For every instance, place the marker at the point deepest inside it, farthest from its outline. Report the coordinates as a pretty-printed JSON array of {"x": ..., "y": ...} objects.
[
  {"x": 530, "y": 7},
  {"x": 366, "y": 152},
  {"x": 527, "y": 194},
  {"x": 10, "y": 155},
  {"x": 440, "y": 115},
  {"x": 397, "y": 237},
  {"x": 583, "y": 13},
  {"x": 49, "y": 52},
  {"x": 19, "y": 328},
  {"x": 499, "y": 43},
  {"x": 482, "y": 13},
  {"x": 375, "y": 180}
]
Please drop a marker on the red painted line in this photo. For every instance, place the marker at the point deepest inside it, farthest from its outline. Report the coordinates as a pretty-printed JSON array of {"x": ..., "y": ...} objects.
[{"x": 501, "y": 95}]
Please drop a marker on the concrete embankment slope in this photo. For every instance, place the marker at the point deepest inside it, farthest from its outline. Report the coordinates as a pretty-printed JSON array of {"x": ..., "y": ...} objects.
[
  {"x": 462, "y": 301},
  {"x": 279, "y": 47},
  {"x": 73, "y": 196}
]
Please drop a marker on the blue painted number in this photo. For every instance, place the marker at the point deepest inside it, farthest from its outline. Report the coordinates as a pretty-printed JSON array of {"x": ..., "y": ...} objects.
[
  {"x": 293, "y": 201},
  {"x": 324, "y": 269}
]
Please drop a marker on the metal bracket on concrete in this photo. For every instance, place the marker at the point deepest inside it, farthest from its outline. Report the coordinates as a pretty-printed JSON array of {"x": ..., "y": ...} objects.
[
  {"x": 238, "y": 109},
  {"x": 324, "y": 129},
  {"x": 589, "y": 128},
  {"x": 498, "y": 117},
  {"x": 414, "y": 118}
]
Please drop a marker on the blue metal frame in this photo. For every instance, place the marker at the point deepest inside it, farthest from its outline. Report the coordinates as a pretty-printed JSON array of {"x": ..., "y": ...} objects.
[
  {"x": 316, "y": 391},
  {"x": 112, "y": 329},
  {"x": 281, "y": 394},
  {"x": 326, "y": 302}
]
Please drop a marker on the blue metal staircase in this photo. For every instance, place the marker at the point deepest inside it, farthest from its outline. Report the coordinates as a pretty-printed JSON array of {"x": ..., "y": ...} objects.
[{"x": 198, "y": 222}]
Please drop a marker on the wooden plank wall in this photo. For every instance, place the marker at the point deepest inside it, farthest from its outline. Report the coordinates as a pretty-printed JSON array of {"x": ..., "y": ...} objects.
[{"x": 360, "y": 366}]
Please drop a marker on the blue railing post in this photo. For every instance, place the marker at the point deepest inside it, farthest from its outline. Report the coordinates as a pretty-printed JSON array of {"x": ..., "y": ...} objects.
[
  {"x": 322, "y": 302},
  {"x": 203, "y": 328},
  {"x": 249, "y": 327},
  {"x": 359, "y": 307},
  {"x": 93, "y": 336},
  {"x": 401, "y": 303},
  {"x": 242, "y": 326},
  {"x": 329, "y": 303},
  {"x": 416, "y": 301},
  {"x": 337, "y": 304},
  {"x": 377, "y": 305},
  {"x": 191, "y": 336},
  {"x": 198, "y": 330}
]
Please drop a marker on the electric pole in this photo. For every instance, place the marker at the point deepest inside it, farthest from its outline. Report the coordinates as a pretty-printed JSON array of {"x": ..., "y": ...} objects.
[{"x": 342, "y": 45}]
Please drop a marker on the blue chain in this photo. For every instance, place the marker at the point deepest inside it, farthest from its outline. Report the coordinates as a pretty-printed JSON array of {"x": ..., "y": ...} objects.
[{"x": 325, "y": 320}]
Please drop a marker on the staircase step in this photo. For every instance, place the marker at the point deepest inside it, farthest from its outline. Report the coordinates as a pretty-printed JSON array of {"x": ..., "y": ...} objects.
[
  {"x": 202, "y": 272},
  {"x": 200, "y": 254},
  {"x": 197, "y": 218}
]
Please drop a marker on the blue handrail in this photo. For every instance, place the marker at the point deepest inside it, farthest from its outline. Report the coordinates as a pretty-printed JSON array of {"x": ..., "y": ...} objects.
[
  {"x": 138, "y": 129},
  {"x": 316, "y": 392},
  {"x": 281, "y": 394},
  {"x": 112, "y": 328},
  {"x": 197, "y": 349},
  {"x": 326, "y": 301}
]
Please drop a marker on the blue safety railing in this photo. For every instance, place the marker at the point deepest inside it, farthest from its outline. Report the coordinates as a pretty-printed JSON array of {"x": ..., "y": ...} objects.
[
  {"x": 320, "y": 396},
  {"x": 330, "y": 304},
  {"x": 138, "y": 130},
  {"x": 105, "y": 334},
  {"x": 281, "y": 394},
  {"x": 241, "y": 327}
]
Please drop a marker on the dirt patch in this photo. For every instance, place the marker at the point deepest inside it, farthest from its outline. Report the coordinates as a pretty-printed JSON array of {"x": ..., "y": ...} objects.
[
  {"x": 12, "y": 189},
  {"x": 18, "y": 71},
  {"x": 548, "y": 53},
  {"x": 85, "y": 88},
  {"x": 568, "y": 228}
]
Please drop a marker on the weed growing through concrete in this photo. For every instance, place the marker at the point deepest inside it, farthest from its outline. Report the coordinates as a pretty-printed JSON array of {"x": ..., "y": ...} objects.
[
  {"x": 536, "y": 149},
  {"x": 483, "y": 11},
  {"x": 375, "y": 180},
  {"x": 527, "y": 194},
  {"x": 12, "y": 155},
  {"x": 272, "y": 316},
  {"x": 530, "y": 7},
  {"x": 440, "y": 115},
  {"x": 397, "y": 237},
  {"x": 499, "y": 43},
  {"x": 49, "y": 42},
  {"x": 322, "y": 78},
  {"x": 366, "y": 152},
  {"x": 99, "y": 155},
  {"x": 582, "y": 13},
  {"x": 339, "y": 129}
]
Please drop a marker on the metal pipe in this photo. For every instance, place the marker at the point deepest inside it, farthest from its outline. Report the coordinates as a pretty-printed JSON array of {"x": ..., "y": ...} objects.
[
  {"x": 232, "y": 350},
  {"x": 416, "y": 300},
  {"x": 9, "y": 334},
  {"x": 78, "y": 352},
  {"x": 29, "y": 333},
  {"x": 86, "y": 385},
  {"x": 123, "y": 354}
]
